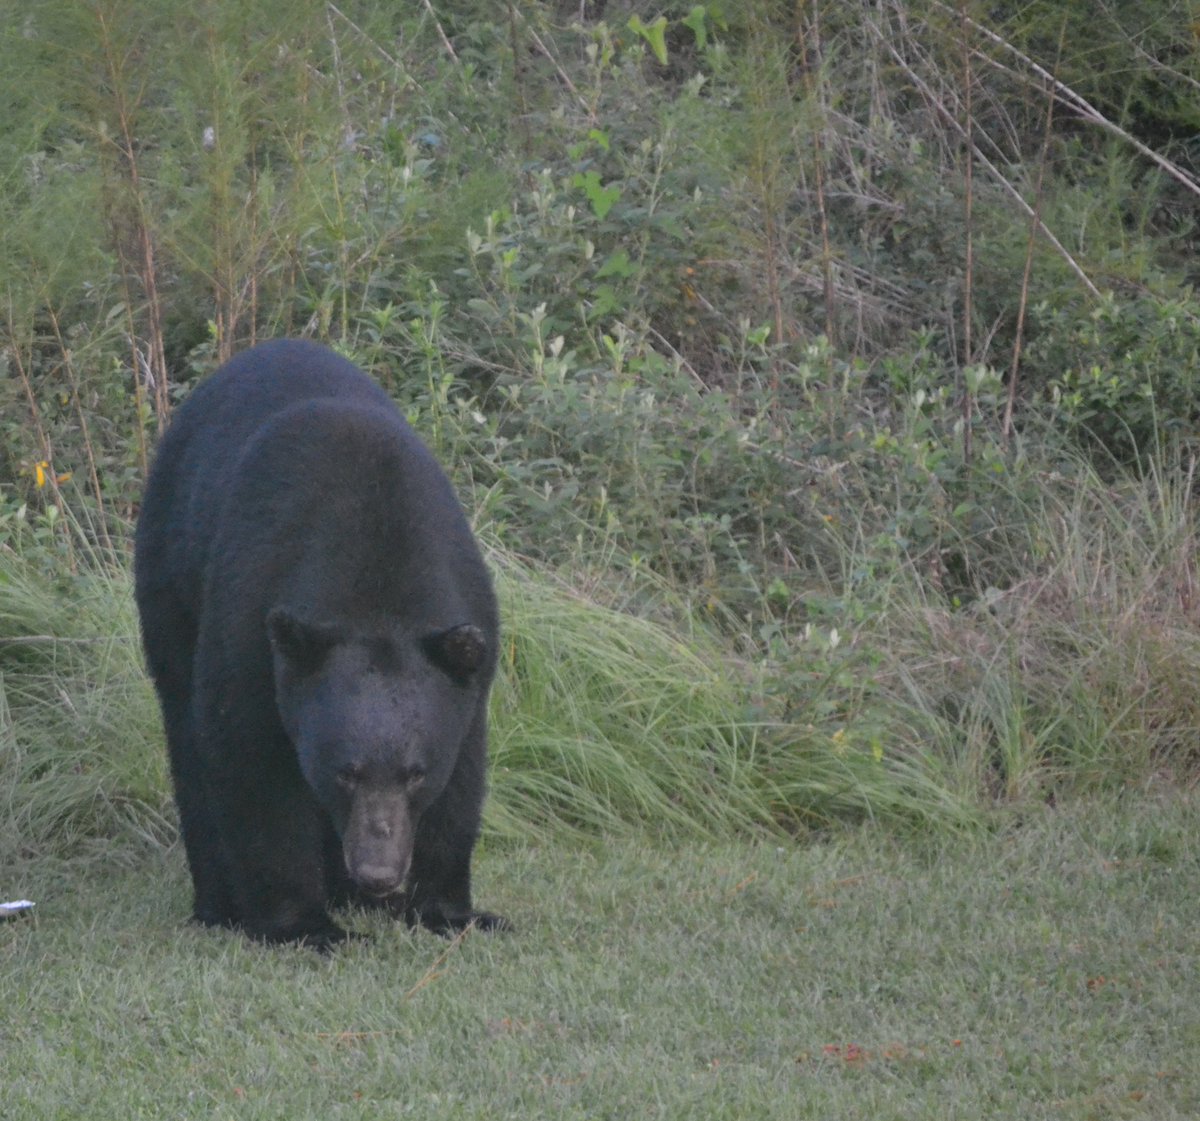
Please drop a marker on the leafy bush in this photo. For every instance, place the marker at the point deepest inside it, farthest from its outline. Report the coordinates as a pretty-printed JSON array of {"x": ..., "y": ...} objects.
[{"x": 1130, "y": 374}]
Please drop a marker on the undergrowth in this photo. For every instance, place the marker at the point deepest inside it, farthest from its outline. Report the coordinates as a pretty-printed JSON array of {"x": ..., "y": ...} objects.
[
  {"x": 623, "y": 706},
  {"x": 822, "y": 375}
]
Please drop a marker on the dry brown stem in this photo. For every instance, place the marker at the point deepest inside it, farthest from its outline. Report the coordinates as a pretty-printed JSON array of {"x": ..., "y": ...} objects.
[
  {"x": 1084, "y": 108},
  {"x": 1011, "y": 398},
  {"x": 952, "y": 121},
  {"x": 131, "y": 207}
]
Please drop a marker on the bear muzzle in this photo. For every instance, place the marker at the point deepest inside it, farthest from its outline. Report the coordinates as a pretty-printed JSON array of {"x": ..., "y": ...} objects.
[
  {"x": 378, "y": 882},
  {"x": 377, "y": 845}
]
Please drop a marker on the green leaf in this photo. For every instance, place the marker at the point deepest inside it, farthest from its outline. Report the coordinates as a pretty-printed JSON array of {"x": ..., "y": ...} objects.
[
  {"x": 600, "y": 196},
  {"x": 655, "y": 34},
  {"x": 696, "y": 23},
  {"x": 759, "y": 336},
  {"x": 617, "y": 264}
]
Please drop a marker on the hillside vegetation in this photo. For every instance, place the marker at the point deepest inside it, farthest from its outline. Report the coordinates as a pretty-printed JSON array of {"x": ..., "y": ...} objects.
[{"x": 821, "y": 376}]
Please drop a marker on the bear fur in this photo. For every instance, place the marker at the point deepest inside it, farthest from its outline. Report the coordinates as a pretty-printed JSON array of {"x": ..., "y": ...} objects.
[{"x": 322, "y": 634}]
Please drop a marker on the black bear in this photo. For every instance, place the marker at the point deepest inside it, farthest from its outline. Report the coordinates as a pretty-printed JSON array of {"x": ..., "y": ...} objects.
[{"x": 322, "y": 634}]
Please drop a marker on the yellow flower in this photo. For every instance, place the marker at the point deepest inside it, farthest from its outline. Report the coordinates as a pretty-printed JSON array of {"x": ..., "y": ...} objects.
[{"x": 42, "y": 474}]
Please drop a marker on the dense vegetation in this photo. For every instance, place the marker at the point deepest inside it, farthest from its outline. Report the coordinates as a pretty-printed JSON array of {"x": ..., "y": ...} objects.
[{"x": 822, "y": 377}]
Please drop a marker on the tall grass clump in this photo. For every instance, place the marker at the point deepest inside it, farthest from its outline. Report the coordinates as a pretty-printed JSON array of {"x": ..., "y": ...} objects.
[
  {"x": 606, "y": 721},
  {"x": 1071, "y": 670},
  {"x": 78, "y": 722}
]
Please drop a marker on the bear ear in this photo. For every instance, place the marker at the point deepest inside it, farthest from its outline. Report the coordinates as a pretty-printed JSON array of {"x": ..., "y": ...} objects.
[
  {"x": 460, "y": 651},
  {"x": 300, "y": 643}
]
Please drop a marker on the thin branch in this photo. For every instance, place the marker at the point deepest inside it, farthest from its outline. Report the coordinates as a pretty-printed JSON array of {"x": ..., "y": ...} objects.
[
  {"x": 84, "y": 429},
  {"x": 814, "y": 91},
  {"x": 952, "y": 121},
  {"x": 1010, "y": 402},
  {"x": 145, "y": 264},
  {"x": 684, "y": 364},
  {"x": 1085, "y": 108},
  {"x": 968, "y": 129},
  {"x": 563, "y": 76},
  {"x": 441, "y": 34},
  {"x": 390, "y": 59},
  {"x": 1043, "y": 229},
  {"x": 514, "y": 45},
  {"x": 23, "y": 376},
  {"x": 435, "y": 970}
]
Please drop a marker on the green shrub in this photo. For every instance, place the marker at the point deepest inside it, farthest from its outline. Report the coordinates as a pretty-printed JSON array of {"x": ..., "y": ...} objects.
[{"x": 1129, "y": 377}]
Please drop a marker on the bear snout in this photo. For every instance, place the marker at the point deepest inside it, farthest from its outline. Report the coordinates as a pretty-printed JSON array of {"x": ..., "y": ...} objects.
[
  {"x": 377, "y": 881},
  {"x": 377, "y": 870},
  {"x": 377, "y": 845}
]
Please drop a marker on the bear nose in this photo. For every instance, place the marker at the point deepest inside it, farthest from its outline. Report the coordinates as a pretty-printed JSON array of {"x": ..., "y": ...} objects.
[{"x": 377, "y": 881}]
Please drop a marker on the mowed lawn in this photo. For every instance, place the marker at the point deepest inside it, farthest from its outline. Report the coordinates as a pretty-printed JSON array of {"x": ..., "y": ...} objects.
[{"x": 1047, "y": 970}]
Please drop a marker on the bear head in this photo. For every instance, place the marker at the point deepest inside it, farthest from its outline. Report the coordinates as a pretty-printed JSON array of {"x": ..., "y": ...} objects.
[{"x": 378, "y": 720}]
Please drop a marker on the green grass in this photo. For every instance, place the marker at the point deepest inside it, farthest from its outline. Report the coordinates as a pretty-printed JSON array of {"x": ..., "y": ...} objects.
[
  {"x": 603, "y": 723},
  {"x": 80, "y": 735},
  {"x": 1047, "y": 972},
  {"x": 614, "y": 717}
]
